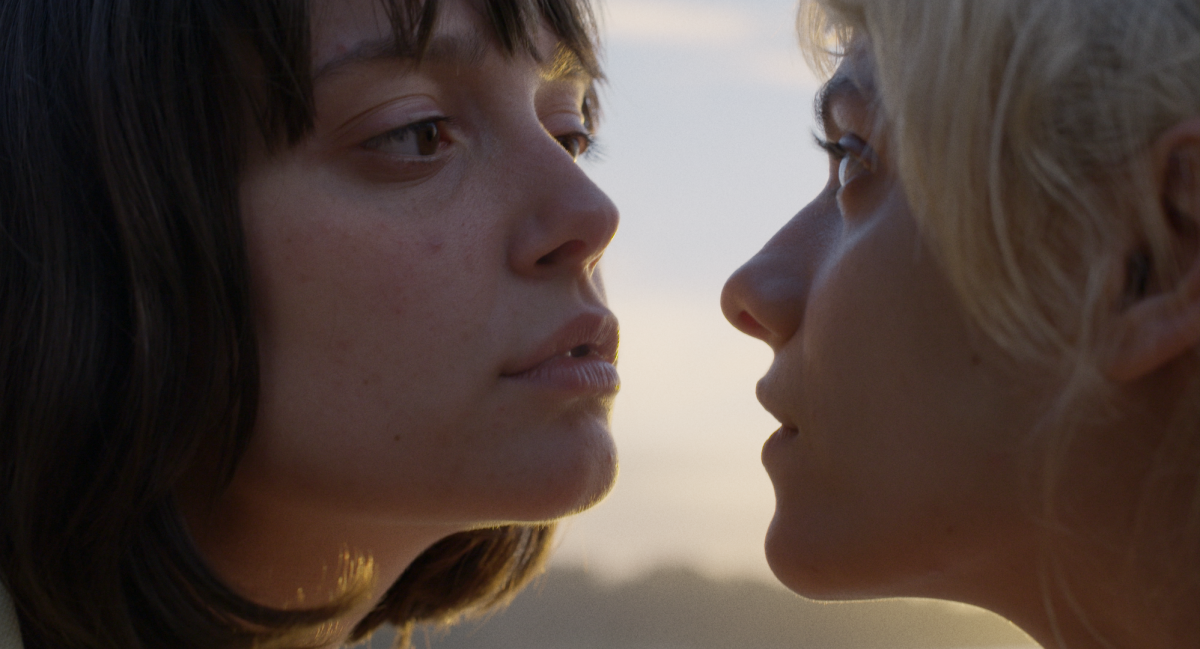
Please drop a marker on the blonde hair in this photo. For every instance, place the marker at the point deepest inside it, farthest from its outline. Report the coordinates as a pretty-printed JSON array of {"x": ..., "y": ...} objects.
[
  {"x": 1040, "y": 104},
  {"x": 1012, "y": 125}
]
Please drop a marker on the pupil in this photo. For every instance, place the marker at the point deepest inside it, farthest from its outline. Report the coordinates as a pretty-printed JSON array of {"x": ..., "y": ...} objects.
[
  {"x": 571, "y": 144},
  {"x": 427, "y": 139}
]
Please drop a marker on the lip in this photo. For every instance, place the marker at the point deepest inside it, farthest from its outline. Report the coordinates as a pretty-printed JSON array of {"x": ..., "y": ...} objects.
[
  {"x": 580, "y": 357},
  {"x": 766, "y": 391},
  {"x": 779, "y": 438},
  {"x": 766, "y": 396}
]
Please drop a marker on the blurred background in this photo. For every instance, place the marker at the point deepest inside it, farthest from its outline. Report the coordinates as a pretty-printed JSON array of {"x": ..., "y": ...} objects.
[{"x": 706, "y": 147}]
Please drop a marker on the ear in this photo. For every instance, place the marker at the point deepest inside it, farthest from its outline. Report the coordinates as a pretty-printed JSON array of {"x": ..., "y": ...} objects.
[{"x": 1161, "y": 321}]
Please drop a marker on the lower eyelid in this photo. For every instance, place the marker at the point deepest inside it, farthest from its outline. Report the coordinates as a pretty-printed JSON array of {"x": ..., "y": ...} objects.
[
  {"x": 384, "y": 168},
  {"x": 862, "y": 167}
]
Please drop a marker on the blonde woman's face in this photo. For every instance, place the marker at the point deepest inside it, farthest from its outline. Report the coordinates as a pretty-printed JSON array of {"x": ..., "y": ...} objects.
[
  {"x": 896, "y": 468},
  {"x": 433, "y": 334}
]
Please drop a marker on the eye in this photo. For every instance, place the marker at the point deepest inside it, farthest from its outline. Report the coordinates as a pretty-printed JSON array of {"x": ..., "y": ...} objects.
[
  {"x": 576, "y": 144},
  {"x": 419, "y": 139},
  {"x": 855, "y": 157}
]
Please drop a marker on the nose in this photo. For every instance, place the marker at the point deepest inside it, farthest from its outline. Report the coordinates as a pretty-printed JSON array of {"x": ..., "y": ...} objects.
[
  {"x": 570, "y": 221},
  {"x": 766, "y": 298}
]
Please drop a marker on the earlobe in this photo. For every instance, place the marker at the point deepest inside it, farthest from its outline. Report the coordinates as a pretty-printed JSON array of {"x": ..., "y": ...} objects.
[
  {"x": 1161, "y": 318},
  {"x": 1157, "y": 329}
]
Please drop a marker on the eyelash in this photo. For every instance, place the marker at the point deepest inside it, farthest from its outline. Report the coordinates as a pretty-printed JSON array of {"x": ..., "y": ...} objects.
[
  {"x": 587, "y": 144},
  {"x": 835, "y": 150},
  {"x": 843, "y": 155}
]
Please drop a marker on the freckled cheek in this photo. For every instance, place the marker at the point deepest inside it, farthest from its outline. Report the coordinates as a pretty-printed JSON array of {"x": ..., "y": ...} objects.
[{"x": 347, "y": 288}]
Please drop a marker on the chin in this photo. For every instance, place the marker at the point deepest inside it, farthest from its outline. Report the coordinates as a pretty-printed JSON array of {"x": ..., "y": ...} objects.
[
  {"x": 807, "y": 559},
  {"x": 566, "y": 478},
  {"x": 582, "y": 488},
  {"x": 792, "y": 566}
]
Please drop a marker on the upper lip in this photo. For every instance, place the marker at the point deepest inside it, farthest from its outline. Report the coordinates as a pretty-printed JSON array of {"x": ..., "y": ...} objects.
[
  {"x": 598, "y": 330},
  {"x": 766, "y": 397}
]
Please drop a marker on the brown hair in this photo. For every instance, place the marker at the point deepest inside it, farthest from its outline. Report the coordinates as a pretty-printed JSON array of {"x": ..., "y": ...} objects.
[{"x": 126, "y": 339}]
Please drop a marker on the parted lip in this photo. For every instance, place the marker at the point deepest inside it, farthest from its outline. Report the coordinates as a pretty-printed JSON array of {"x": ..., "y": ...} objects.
[{"x": 597, "y": 330}]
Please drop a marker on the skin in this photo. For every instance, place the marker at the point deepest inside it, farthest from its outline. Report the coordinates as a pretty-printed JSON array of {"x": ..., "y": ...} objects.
[
  {"x": 904, "y": 464},
  {"x": 393, "y": 291}
]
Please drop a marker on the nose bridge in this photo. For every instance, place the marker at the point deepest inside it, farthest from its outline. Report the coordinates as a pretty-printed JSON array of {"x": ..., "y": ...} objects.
[
  {"x": 767, "y": 297},
  {"x": 567, "y": 221}
]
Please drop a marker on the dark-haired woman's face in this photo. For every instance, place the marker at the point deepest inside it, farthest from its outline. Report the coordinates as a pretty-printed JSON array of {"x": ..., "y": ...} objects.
[
  {"x": 434, "y": 339},
  {"x": 895, "y": 469}
]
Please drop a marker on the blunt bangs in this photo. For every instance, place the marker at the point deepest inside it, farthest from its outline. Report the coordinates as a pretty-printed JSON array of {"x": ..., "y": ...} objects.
[{"x": 287, "y": 109}]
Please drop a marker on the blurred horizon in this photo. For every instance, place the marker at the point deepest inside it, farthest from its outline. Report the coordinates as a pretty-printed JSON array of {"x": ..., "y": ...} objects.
[{"x": 679, "y": 608}]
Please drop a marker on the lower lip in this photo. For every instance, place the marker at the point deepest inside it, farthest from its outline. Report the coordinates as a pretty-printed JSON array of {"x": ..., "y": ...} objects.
[
  {"x": 779, "y": 437},
  {"x": 589, "y": 375}
]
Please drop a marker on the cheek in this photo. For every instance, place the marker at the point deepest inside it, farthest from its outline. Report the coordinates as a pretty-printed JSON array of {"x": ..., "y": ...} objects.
[
  {"x": 905, "y": 436},
  {"x": 893, "y": 369},
  {"x": 364, "y": 269},
  {"x": 373, "y": 337},
  {"x": 357, "y": 298}
]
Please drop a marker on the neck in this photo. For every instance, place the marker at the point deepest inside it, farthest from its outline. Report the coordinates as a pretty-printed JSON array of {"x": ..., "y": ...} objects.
[
  {"x": 1107, "y": 603},
  {"x": 1113, "y": 570}
]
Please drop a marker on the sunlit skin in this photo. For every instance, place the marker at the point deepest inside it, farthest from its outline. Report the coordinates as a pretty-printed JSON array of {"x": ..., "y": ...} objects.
[
  {"x": 877, "y": 379},
  {"x": 430, "y": 242},
  {"x": 903, "y": 464}
]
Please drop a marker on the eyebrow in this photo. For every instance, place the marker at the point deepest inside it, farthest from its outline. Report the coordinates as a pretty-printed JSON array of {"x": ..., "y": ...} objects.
[
  {"x": 838, "y": 87},
  {"x": 564, "y": 65},
  {"x": 446, "y": 49}
]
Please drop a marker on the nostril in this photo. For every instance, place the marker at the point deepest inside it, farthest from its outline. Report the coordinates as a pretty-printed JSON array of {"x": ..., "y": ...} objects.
[
  {"x": 567, "y": 250},
  {"x": 751, "y": 327}
]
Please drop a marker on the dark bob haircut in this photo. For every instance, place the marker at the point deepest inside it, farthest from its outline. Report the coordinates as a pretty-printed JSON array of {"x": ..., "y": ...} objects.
[{"x": 127, "y": 346}]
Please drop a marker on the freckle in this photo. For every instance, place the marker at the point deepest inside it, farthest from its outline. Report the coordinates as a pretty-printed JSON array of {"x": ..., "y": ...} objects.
[
  {"x": 396, "y": 438},
  {"x": 976, "y": 360}
]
